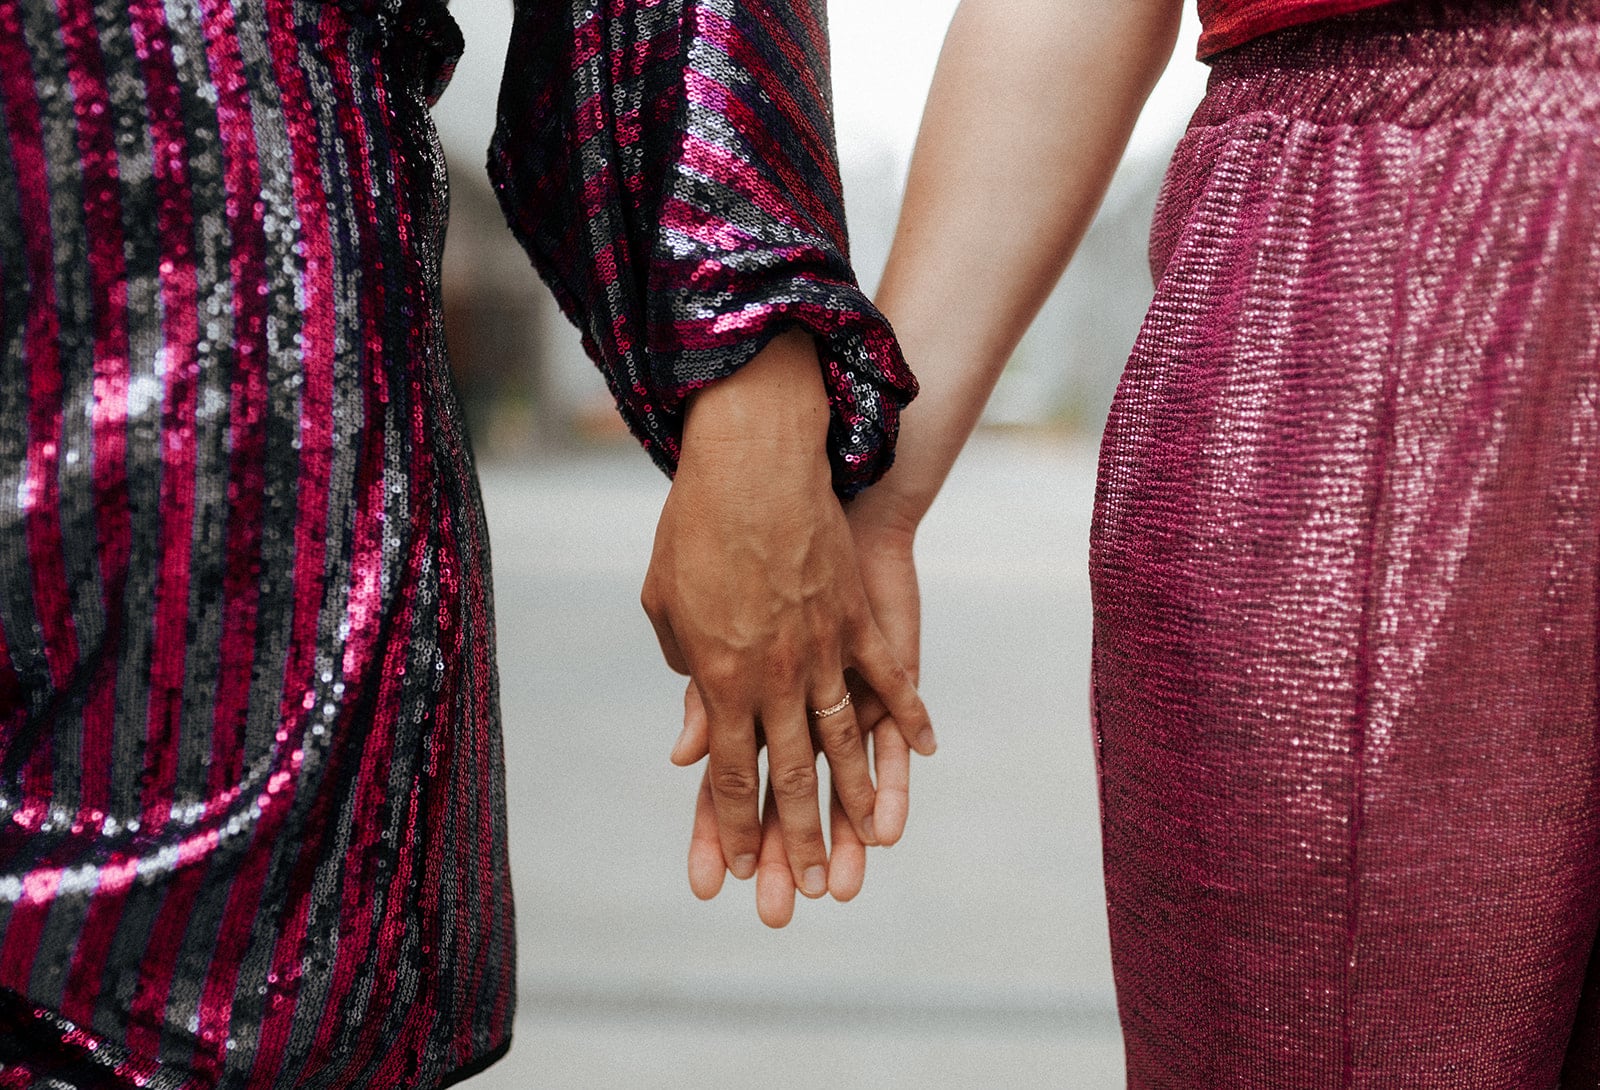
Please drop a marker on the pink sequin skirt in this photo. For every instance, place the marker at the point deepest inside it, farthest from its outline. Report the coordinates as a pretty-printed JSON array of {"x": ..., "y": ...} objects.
[{"x": 1344, "y": 557}]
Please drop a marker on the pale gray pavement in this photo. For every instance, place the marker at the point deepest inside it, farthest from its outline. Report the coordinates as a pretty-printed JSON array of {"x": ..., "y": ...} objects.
[{"x": 975, "y": 957}]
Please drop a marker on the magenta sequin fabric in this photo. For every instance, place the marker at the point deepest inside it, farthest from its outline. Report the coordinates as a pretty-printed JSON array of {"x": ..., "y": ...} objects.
[
  {"x": 695, "y": 140},
  {"x": 252, "y": 827},
  {"x": 252, "y": 810},
  {"x": 1345, "y": 555}
]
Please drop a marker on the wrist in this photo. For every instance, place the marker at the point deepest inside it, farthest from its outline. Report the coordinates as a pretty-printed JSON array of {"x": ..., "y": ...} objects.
[
  {"x": 772, "y": 413},
  {"x": 885, "y": 516}
]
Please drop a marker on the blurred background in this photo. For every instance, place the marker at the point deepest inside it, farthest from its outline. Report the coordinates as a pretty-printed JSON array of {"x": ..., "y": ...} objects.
[{"x": 976, "y": 956}]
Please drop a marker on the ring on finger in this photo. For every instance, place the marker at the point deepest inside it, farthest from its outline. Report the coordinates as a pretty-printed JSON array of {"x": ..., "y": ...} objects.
[{"x": 832, "y": 709}]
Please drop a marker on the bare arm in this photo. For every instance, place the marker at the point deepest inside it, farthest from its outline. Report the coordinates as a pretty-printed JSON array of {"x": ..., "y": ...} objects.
[{"x": 1030, "y": 111}]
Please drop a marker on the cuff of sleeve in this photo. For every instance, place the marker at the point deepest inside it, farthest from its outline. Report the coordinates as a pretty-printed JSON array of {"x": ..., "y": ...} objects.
[
  {"x": 865, "y": 375},
  {"x": 685, "y": 208}
]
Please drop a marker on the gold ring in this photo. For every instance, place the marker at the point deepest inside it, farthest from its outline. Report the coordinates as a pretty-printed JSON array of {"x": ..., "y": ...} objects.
[{"x": 833, "y": 709}]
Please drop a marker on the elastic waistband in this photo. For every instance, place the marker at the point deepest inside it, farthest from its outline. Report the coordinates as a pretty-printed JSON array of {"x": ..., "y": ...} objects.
[{"x": 1420, "y": 62}]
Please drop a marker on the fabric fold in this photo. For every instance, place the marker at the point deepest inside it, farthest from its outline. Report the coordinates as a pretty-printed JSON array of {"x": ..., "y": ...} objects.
[{"x": 671, "y": 169}]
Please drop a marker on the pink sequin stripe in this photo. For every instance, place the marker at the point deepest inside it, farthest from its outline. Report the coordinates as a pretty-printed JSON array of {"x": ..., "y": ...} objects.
[
  {"x": 107, "y": 269},
  {"x": 359, "y": 901},
  {"x": 358, "y": 928},
  {"x": 365, "y": 590},
  {"x": 491, "y": 770},
  {"x": 180, "y": 370},
  {"x": 77, "y": 1051},
  {"x": 40, "y": 498},
  {"x": 483, "y": 712},
  {"x": 390, "y": 929},
  {"x": 400, "y": 1049},
  {"x": 599, "y": 193},
  {"x": 1228, "y": 23},
  {"x": 108, "y": 285},
  {"x": 431, "y": 794},
  {"x": 85, "y": 978},
  {"x": 797, "y": 202},
  {"x": 248, "y": 398},
  {"x": 632, "y": 122},
  {"x": 247, "y": 417},
  {"x": 429, "y": 791},
  {"x": 806, "y": 15},
  {"x": 449, "y": 789},
  {"x": 311, "y": 514},
  {"x": 804, "y": 116}
]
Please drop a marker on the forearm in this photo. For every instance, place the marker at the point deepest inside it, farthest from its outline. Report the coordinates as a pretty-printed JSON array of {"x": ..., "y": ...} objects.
[
  {"x": 1030, "y": 110},
  {"x": 768, "y": 420}
]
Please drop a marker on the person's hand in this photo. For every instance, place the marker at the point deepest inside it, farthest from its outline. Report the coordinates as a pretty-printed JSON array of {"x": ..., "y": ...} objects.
[
  {"x": 775, "y": 884},
  {"x": 884, "y": 531},
  {"x": 883, "y": 534},
  {"x": 755, "y": 592}
]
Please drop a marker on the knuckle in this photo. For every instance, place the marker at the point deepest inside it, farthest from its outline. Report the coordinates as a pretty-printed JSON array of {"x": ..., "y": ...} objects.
[
  {"x": 838, "y": 734},
  {"x": 892, "y": 668},
  {"x": 784, "y": 664},
  {"x": 796, "y": 783},
  {"x": 651, "y": 601},
  {"x": 719, "y": 675},
  {"x": 735, "y": 784},
  {"x": 900, "y": 683}
]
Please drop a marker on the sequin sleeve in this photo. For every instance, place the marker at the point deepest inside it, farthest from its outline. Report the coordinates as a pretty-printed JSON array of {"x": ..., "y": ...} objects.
[{"x": 670, "y": 167}]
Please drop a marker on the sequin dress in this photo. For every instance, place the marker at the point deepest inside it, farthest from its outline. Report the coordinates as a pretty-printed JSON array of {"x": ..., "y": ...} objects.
[{"x": 252, "y": 815}]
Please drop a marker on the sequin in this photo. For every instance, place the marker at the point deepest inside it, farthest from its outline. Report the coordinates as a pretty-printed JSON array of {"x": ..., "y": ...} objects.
[
  {"x": 252, "y": 813},
  {"x": 252, "y": 824},
  {"x": 695, "y": 138}
]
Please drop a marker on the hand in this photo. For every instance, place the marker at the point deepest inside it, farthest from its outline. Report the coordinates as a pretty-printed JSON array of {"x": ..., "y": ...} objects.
[
  {"x": 884, "y": 531},
  {"x": 884, "y": 539},
  {"x": 775, "y": 884},
  {"x": 755, "y": 592}
]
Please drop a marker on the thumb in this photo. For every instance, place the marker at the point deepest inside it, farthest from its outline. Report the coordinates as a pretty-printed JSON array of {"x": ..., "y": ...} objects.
[{"x": 695, "y": 741}]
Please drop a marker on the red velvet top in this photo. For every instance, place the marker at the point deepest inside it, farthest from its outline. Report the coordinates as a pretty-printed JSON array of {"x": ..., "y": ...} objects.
[{"x": 1227, "y": 23}]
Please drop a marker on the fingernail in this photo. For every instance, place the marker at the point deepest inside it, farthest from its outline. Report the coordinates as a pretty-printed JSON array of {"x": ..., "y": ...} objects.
[
  {"x": 744, "y": 867},
  {"x": 816, "y": 882},
  {"x": 925, "y": 743},
  {"x": 868, "y": 832}
]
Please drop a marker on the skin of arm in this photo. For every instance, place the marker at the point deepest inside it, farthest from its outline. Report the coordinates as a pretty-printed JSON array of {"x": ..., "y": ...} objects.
[{"x": 1028, "y": 115}]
